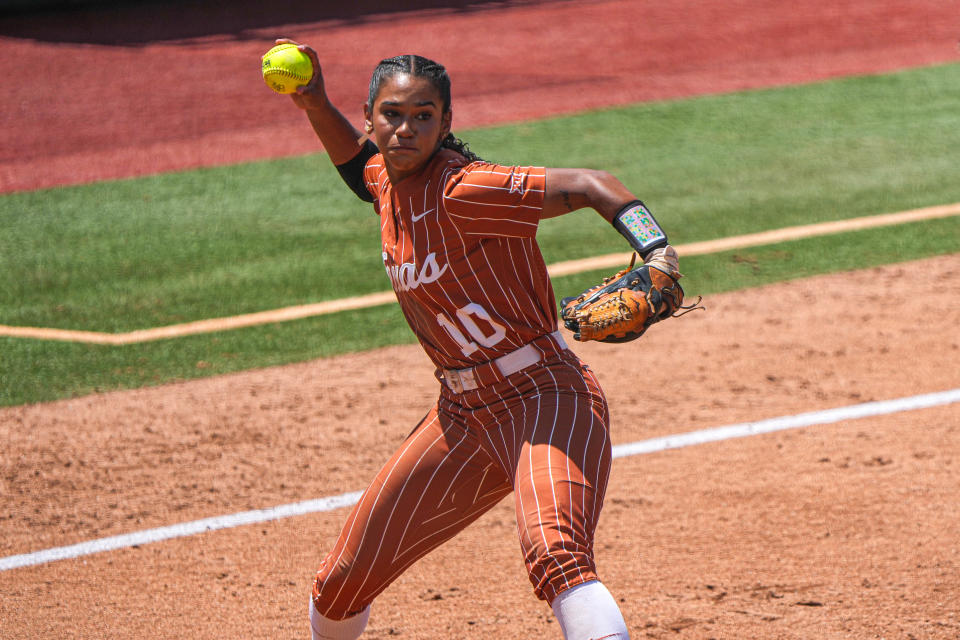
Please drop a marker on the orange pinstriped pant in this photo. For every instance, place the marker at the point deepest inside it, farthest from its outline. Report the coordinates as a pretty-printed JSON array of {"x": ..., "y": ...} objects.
[{"x": 541, "y": 433}]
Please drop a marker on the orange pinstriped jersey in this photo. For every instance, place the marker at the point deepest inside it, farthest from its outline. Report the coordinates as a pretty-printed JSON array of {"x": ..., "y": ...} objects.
[{"x": 459, "y": 248}]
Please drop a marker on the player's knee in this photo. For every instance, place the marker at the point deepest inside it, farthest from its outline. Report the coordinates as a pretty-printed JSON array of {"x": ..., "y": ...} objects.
[{"x": 337, "y": 590}]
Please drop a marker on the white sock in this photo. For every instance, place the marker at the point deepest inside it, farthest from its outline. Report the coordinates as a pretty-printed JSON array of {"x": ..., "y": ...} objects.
[
  {"x": 327, "y": 629},
  {"x": 589, "y": 612}
]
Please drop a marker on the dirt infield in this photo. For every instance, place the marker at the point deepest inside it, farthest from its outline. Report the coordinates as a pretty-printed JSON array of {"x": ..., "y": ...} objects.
[{"x": 845, "y": 530}]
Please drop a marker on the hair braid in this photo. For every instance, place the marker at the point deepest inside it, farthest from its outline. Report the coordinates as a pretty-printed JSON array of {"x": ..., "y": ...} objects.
[{"x": 421, "y": 67}]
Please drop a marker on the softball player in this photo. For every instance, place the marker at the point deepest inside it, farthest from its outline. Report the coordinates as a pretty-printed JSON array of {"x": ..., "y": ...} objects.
[{"x": 518, "y": 413}]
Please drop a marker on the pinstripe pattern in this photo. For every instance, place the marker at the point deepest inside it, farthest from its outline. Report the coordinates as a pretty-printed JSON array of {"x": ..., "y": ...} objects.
[
  {"x": 459, "y": 247},
  {"x": 540, "y": 434},
  {"x": 458, "y": 242}
]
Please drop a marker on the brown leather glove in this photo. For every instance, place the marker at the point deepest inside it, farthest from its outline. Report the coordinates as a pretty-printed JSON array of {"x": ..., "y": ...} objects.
[{"x": 624, "y": 306}]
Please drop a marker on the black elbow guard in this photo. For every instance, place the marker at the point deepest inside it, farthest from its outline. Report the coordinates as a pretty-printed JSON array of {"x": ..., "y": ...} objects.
[
  {"x": 352, "y": 171},
  {"x": 635, "y": 222}
]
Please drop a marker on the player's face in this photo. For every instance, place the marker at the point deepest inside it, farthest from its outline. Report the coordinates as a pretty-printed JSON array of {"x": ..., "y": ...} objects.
[{"x": 407, "y": 122}]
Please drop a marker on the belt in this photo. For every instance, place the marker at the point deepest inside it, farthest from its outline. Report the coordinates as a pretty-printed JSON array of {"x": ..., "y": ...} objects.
[{"x": 460, "y": 380}]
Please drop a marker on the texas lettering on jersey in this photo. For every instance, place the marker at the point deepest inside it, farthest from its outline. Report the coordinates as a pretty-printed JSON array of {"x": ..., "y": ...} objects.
[
  {"x": 458, "y": 246},
  {"x": 406, "y": 277}
]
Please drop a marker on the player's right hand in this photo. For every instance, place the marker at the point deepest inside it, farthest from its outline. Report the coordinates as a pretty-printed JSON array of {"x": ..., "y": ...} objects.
[{"x": 312, "y": 95}]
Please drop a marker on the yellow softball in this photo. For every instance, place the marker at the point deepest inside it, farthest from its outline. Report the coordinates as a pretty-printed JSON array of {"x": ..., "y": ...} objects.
[{"x": 285, "y": 68}]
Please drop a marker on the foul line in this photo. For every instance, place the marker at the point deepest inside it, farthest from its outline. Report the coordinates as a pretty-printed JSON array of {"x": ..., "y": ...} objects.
[
  {"x": 692, "y": 438},
  {"x": 558, "y": 269}
]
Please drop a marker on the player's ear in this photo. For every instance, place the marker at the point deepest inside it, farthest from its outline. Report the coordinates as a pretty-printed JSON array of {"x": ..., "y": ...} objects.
[
  {"x": 447, "y": 123},
  {"x": 367, "y": 118}
]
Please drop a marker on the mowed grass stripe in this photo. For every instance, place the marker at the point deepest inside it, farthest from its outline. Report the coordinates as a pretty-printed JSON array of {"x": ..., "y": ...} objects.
[
  {"x": 766, "y": 237},
  {"x": 116, "y": 257},
  {"x": 558, "y": 269}
]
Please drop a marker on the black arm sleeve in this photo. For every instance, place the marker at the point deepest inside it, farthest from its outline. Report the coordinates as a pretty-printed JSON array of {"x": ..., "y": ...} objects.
[{"x": 352, "y": 171}]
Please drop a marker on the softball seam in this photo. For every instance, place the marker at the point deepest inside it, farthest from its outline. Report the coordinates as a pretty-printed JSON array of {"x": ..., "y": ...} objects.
[{"x": 285, "y": 73}]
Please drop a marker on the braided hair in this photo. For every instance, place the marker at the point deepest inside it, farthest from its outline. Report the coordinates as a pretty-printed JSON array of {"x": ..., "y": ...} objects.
[{"x": 421, "y": 67}]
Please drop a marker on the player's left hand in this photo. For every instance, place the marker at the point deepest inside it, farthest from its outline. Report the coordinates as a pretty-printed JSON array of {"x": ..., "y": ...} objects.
[
  {"x": 665, "y": 259},
  {"x": 624, "y": 305}
]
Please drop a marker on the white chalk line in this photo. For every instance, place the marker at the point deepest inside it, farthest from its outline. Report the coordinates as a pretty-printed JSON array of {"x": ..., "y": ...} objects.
[
  {"x": 716, "y": 434},
  {"x": 610, "y": 261}
]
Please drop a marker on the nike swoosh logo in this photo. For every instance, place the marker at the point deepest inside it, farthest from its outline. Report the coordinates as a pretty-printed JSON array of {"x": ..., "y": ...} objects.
[{"x": 415, "y": 218}]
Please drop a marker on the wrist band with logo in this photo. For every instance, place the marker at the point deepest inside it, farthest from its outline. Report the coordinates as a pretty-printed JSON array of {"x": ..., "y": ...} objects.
[{"x": 635, "y": 222}]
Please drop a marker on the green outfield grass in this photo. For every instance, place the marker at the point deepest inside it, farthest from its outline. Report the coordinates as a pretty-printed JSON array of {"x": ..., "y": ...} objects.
[{"x": 133, "y": 254}]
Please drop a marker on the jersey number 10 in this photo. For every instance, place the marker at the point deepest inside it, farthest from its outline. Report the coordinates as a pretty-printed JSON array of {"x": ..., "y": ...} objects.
[{"x": 466, "y": 317}]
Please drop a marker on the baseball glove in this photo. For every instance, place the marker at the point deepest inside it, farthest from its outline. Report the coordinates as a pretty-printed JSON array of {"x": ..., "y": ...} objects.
[{"x": 623, "y": 306}]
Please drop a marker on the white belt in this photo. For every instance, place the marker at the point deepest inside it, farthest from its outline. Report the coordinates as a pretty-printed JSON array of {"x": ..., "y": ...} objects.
[{"x": 460, "y": 380}]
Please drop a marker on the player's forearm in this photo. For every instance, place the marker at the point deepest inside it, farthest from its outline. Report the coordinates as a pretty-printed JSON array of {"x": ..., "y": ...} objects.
[
  {"x": 573, "y": 189},
  {"x": 339, "y": 138}
]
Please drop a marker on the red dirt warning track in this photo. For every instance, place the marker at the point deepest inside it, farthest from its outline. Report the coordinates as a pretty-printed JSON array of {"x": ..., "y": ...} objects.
[{"x": 174, "y": 95}]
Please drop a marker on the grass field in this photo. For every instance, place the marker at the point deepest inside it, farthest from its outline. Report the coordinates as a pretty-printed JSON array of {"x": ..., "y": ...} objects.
[{"x": 133, "y": 254}]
